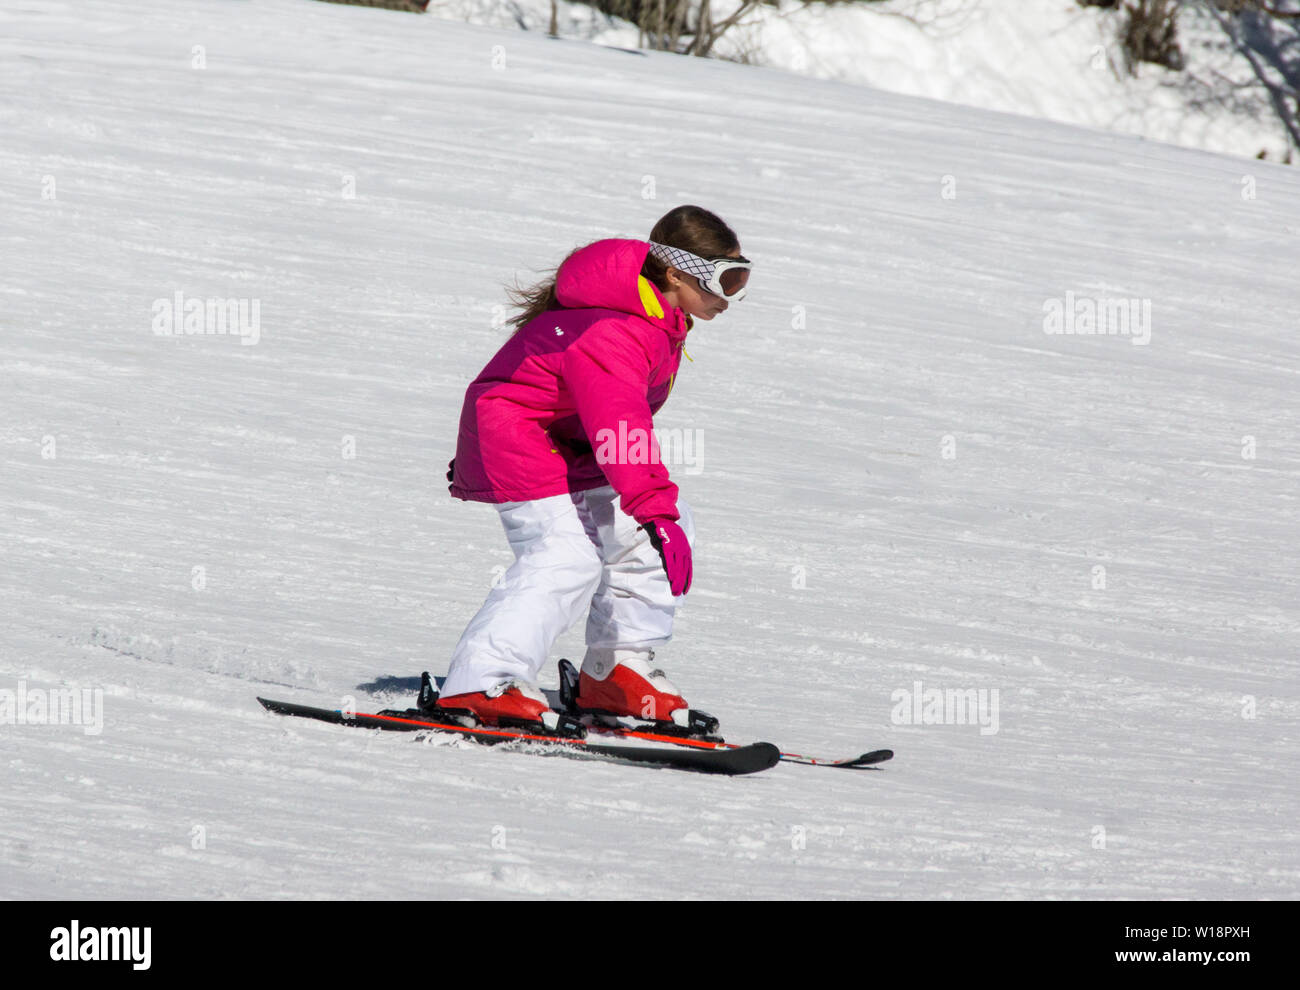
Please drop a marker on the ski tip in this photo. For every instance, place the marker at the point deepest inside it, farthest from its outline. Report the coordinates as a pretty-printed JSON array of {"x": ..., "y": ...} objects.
[
  {"x": 751, "y": 758},
  {"x": 276, "y": 707},
  {"x": 767, "y": 752},
  {"x": 870, "y": 759}
]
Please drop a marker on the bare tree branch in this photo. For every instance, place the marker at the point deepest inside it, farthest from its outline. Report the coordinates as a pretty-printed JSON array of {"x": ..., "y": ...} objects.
[{"x": 1278, "y": 94}]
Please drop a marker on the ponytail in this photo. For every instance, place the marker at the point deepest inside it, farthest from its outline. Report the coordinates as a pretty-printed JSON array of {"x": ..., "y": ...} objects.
[{"x": 691, "y": 228}]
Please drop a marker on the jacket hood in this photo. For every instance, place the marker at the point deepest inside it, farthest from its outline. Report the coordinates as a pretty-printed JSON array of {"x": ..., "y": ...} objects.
[{"x": 607, "y": 275}]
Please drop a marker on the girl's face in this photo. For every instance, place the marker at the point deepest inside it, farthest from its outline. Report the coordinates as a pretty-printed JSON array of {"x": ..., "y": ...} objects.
[{"x": 686, "y": 292}]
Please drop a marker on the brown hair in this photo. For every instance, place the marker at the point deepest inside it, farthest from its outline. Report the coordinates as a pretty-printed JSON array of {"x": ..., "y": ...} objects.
[{"x": 691, "y": 228}]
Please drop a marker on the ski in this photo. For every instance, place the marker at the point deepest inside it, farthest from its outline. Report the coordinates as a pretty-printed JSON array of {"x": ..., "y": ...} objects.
[
  {"x": 862, "y": 761},
  {"x": 700, "y": 757},
  {"x": 865, "y": 760},
  {"x": 851, "y": 763},
  {"x": 701, "y": 729}
]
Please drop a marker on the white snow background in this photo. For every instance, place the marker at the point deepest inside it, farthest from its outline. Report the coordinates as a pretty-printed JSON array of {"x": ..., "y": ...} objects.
[
  {"x": 905, "y": 478},
  {"x": 1050, "y": 59}
]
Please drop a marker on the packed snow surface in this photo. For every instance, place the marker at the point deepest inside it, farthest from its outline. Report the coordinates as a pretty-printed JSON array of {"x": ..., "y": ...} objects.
[{"x": 903, "y": 482}]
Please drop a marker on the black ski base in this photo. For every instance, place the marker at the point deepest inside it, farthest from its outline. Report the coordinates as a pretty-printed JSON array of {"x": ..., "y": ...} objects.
[
  {"x": 723, "y": 760},
  {"x": 575, "y": 732}
]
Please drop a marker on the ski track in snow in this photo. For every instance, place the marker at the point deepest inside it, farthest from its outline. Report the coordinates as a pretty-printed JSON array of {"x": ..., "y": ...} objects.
[{"x": 1121, "y": 707}]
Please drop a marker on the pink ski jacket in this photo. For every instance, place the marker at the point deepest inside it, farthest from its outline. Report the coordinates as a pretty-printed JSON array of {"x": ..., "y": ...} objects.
[{"x": 569, "y": 384}]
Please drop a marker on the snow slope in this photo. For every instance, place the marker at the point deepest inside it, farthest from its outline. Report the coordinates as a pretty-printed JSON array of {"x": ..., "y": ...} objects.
[
  {"x": 1041, "y": 58},
  {"x": 184, "y": 528}
]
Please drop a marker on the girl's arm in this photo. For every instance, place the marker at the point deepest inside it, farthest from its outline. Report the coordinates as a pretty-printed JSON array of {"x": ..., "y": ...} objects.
[{"x": 608, "y": 373}]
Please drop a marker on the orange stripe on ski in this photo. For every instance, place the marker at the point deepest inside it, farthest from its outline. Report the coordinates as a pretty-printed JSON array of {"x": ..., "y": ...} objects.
[
  {"x": 447, "y": 727},
  {"x": 655, "y": 737},
  {"x": 517, "y": 734}
]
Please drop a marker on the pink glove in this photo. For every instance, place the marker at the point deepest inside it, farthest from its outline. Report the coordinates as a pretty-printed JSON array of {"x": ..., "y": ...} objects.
[{"x": 675, "y": 551}]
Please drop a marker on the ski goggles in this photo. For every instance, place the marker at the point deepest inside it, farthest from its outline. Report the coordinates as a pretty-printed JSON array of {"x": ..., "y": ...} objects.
[{"x": 725, "y": 277}]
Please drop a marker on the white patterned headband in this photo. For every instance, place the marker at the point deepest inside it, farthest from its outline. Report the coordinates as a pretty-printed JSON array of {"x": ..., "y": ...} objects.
[{"x": 725, "y": 277}]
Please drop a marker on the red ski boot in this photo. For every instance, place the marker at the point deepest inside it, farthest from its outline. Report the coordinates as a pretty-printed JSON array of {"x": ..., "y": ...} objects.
[
  {"x": 511, "y": 703},
  {"x": 622, "y": 682}
]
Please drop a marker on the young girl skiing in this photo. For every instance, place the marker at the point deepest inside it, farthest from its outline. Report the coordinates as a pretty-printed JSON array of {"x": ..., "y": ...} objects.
[{"x": 593, "y": 526}]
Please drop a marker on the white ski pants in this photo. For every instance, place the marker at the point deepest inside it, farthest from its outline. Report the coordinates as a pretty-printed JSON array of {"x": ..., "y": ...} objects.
[{"x": 573, "y": 552}]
